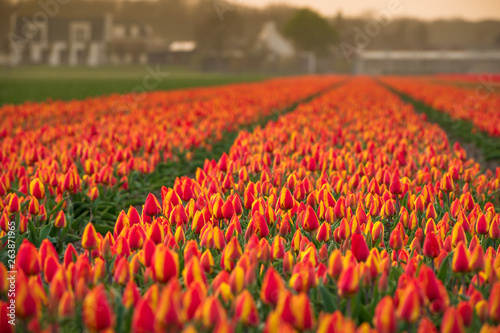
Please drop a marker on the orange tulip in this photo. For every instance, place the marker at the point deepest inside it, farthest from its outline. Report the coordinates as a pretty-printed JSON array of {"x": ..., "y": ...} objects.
[
  {"x": 348, "y": 281},
  {"x": 452, "y": 322},
  {"x": 151, "y": 206},
  {"x": 460, "y": 262},
  {"x": 409, "y": 306},
  {"x": 246, "y": 310},
  {"x": 27, "y": 258},
  {"x": 60, "y": 221},
  {"x": 96, "y": 311},
  {"x": 359, "y": 247},
  {"x": 385, "y": 316},
  {"x": 272, "y": 285},
  {"x": 311, "y": 222},
  {"x": 286, "y": 200},
  {"x": 165, "y": 264},
  {"x": 89, "y": 238}
]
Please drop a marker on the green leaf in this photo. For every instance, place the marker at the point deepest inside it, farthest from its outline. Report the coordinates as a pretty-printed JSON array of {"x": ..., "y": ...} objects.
[
  {"x": 72, "y": 238},
  {"x": 103, "y": 229},
  {"x": 328, "y": 299},
  {"x": 57, "y": 207},
  {"x": 364, "y": 315},
  {"x": 33, "y": 235},
  {"x": 443, "y": 270},
  {"x": 45, "y": 231}
]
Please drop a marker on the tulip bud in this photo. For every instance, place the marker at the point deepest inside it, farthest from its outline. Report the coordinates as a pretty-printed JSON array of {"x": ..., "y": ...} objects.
[
  {"x": 143, "y": 319},
  {"x": 5, "y": 222},
  {"x": 260, "y": 225},
  {"x": 286, "y": 200},
  {"x": 460, "y": 263},
  {"x": 89, "y": 238},
  {"x": 34, "y": 206},
  {"x": 359, "y": 247},
  {"x": 385, "y": 316},
  {"x": 482, "y": 310},
  {"x": 396, "y": 239},
  {"x": 302, "y": 312},
  {"x": 409, "y": 305},
  {"x": 430, "y": 213},
  {"x": 458, "y": 234},
  {"x": 494, "y": 232},
  {"x": 324, "y": 232},
  {"x": 464, "y": 309},
  {"x": 452, "y": 322},
  {"x": 168, "y": 313},
  {"x": 151, "y": 206},
  {"x": 494, "y": 303},
  {"x": 97, "y": 313},
  {"x": 66, "y": 308},
  {"x": 447, "y": 183},
  {"x": 228, "y": 210},
  {"x": 310, "y": 222},
  {"x": 395, "y": 188},
  {"x": 335, "y": 264},
  {"x": 348, "y": 281},
  {"x": 121, "y": 275},
  {"x": 211, "y": 312},
  {"x": 482, "y": 225},
  {"x": 27, "y": 258},
  {"x": 13, "y": 206},
  {"x": 131, "y": 295},
  {"x": 272, "y": 285},
  {"x": 37, "y": 189},
  {"x": 60, "y": 221},
  {"x": 246, "y": 310},
  {"x": 389, "y": 208},
  {"x": 207, "y": 261},
  {"x": 377, "y": 231},
  {"x": 431, "y": 246},
  {"x": 476, "y": 262},
  {"x": 165, "y": 264}
]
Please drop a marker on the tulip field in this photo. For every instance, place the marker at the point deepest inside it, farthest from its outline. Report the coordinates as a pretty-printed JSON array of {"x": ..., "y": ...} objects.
[
  {"x": 459, "y": 103},
  {"x": 336, "y": 207}
]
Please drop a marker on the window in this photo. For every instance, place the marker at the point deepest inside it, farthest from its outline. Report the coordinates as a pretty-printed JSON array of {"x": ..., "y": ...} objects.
[{"x": 80, "y": 31}]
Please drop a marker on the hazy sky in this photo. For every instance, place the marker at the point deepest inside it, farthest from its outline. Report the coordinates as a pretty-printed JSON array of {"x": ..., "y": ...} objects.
[{"x": 428, "y": 9}]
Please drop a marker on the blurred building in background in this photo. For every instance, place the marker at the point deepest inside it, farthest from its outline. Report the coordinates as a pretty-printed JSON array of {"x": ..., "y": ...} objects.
[
  {"x": 426, "y": 61},
  {"x": 62, "y": 40},
  {"x": 80, "y": 40},
  {"x": 198, "y": 35}
]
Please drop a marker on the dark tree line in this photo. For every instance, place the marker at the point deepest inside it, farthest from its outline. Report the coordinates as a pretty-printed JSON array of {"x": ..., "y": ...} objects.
[{"x": 239, "y": 26}]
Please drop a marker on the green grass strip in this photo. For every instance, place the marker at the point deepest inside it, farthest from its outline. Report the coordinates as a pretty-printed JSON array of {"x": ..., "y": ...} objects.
[{"x": 458, "y": 130}]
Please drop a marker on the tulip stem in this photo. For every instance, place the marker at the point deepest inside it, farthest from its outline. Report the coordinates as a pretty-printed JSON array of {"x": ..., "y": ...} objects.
[
  {"x": 348, "y": 307},
  {"x": 463, "y": 284},
  {"x": 108, "y": 275}
]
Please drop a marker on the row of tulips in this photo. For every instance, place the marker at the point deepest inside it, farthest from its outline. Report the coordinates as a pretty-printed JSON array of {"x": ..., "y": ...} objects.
[
  {"x": 478, "y": 105},
  {"x": 95, "y": 145},
  {"x": 483, "y": 78},
  {"x": 350, "y": 214}
]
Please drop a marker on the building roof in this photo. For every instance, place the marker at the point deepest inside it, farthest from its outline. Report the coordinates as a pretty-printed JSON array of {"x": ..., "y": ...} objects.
[
  {"x": 428, "y": 55},
  {"x": 182, "y": 46},
  {"x": 271, "y": 39}
]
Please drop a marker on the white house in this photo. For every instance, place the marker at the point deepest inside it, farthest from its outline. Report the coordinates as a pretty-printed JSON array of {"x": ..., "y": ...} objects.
[
  {"x": 272, "y": 42},
  {"x": 77, "y": 40}
]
